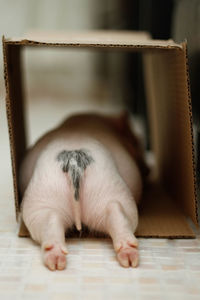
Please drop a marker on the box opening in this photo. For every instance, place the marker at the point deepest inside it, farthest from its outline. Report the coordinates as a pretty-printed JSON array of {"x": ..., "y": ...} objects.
[
  {"x": 71, "y": 81},
  {"x": 168, "y": 203}
]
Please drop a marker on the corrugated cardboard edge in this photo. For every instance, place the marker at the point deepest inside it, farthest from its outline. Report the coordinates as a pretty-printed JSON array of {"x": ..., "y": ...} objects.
[
  {"x": 10, "y": 129},
  {"x": 93, "y": 38},
  {"x": 131, "y": 47},
  {"x": 184, "y": 45}
]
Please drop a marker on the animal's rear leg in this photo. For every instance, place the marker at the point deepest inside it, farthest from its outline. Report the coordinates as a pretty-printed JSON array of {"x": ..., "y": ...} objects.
[
  {"x": 48, "y": 229},
  {"x": 121, "y": 229},
  {"x": 53, "y": 244}
]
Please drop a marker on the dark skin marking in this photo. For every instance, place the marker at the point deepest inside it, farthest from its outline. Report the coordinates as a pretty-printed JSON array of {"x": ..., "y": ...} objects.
[{"x": 82, "y": 159}]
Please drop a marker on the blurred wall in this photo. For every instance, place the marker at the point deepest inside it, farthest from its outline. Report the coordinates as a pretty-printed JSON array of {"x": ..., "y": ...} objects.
[
  {"x": 21, "y": 16},
  {"x": 110, "y": 77},
  {"x": 186, "y": 25}
]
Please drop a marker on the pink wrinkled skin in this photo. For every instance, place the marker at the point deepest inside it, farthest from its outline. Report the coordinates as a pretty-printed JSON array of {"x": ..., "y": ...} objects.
[{"x": 110, "y": 188}]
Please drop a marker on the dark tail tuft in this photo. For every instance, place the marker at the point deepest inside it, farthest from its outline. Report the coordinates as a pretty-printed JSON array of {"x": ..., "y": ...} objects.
[{"x": 75, "y": 162}]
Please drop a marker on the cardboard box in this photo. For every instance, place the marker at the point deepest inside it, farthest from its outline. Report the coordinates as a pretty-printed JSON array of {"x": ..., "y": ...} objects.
[{"x": 168, "y": 203}]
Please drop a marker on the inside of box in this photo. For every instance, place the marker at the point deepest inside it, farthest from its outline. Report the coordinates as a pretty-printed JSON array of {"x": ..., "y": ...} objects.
[
  {"x": 167, "y": 201},
  {"x": 171, "y": 126}
]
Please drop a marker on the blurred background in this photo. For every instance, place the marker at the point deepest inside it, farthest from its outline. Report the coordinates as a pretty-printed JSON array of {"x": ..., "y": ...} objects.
[{"x": 61, "y": 79}]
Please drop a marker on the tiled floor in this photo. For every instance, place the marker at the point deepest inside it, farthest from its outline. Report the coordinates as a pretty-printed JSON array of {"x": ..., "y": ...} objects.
[{"x": 169, "y": 269}]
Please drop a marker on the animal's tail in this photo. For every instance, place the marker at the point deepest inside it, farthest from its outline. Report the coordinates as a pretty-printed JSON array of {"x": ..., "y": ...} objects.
[{"x": 74, "y": 163}]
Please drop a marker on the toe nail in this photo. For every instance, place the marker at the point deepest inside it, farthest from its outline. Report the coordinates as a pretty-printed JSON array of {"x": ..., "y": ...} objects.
[
  {"x": 61, "y": 267},
  {"x": 64, "y": 250},
  {"x": 125, "y": 263},
  {"x": 134, "y": 263},
  {"x": 52, "y": 267}
]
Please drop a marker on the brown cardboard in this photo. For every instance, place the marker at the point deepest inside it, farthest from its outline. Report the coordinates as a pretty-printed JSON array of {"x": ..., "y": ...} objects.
[{"x": 168, "y": 203}]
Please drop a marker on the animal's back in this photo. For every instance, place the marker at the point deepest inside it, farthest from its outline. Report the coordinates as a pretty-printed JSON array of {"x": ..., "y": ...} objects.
[{"x": 79, "y": 129}]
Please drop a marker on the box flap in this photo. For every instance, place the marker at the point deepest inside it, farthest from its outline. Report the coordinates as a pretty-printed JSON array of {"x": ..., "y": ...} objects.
[
  {"x": 99, "y": 38},
  {"x": 15, "y": 111},
  {"x": 170, "y": 118}
]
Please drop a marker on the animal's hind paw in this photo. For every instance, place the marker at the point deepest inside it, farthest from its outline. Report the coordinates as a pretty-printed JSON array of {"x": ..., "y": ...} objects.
[
  {"x": 54, "y": 256},
  {"x": 127, "y": 252}
]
